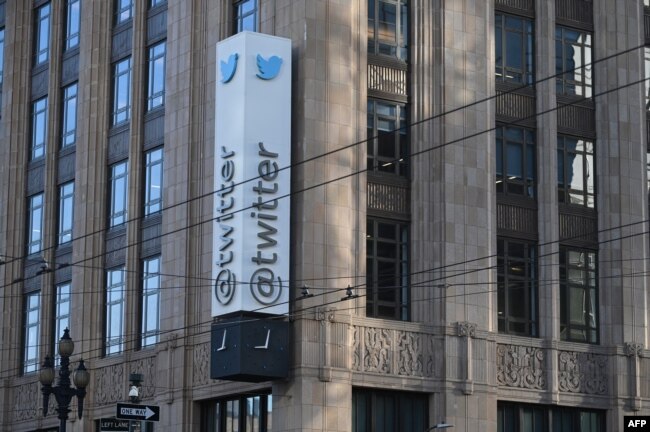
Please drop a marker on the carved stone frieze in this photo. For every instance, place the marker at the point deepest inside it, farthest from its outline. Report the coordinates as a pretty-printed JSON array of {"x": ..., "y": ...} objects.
[
  {"x": 356, "y": 349},
  {"x": 109, "y": 384},
  {"x": 411, "y": 354},
  {"x": 27, "y": 400},
  {"x": 146, "y": 367},
  {"x": 378, "y": 350},
  {"x": 582, "y": 372},
  {"x": 201, "y": 364},
  {"x": 466, "y": 328},
  {"x": 520, "y": 366},
  {"x": 633, "y": 349}
]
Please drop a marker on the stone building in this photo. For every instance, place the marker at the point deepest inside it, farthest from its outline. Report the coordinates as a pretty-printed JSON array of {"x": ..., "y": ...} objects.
[{"x": 472, "y": 170}]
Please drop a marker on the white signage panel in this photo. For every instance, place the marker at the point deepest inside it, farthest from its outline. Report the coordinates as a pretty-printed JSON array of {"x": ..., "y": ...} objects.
[{"x": 250, "y": 266}]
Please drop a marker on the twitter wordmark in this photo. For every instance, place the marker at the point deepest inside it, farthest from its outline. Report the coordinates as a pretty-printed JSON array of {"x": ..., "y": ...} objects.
[
  {"x": 268, "y": 69},
  {"x": 228, "y": 68}
]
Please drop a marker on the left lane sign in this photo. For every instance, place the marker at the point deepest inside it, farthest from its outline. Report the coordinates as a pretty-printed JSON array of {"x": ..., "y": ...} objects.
[{"x": 138, "y": 412}]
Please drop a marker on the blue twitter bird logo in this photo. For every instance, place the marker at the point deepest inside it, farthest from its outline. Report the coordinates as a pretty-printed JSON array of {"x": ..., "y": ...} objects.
[
  {"x": 228, "y": 68},
  {"x": 270, "y": 68}
]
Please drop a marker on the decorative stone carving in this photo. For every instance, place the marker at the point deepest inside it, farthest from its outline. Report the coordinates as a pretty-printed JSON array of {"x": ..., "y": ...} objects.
[
  {"x": 411, "y": 355},
  {"x": 201, "y": 364},
  {"x": 146, "y": 367},
  {"x": 582, "y": 372},
  {"x": 633, "y": 349},
  {"x": 27, "y": 400},
  {"x": 356, "y": 349},
  {"x": 377, "y": 353},
  {"x": 435, "y": 357},
  {"x": 466, "y": 328},
  {"x": 109, "y": 384},
  {"x": 520, "y": 366}
]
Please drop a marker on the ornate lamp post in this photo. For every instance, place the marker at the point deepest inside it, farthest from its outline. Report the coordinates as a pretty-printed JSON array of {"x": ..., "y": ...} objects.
[{"x": 63, "y": 392}]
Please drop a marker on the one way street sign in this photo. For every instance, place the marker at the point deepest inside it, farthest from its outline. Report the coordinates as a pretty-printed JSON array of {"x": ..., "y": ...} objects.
[{"x": 138, "y": 412}]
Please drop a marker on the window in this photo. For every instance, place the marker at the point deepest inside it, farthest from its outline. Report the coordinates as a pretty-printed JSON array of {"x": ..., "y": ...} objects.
[
  {"x": 578, "y": 295},
  {"x": 153, "y": 182},
  {"x": 39, "y": 128},
  {"x": 517, "y": 287},
  {"x": 518, "y": 417},
  {"x": 121, "y": 91},
  {"x": 575, "y": 171},
  {"x": 66, "y": 212},
  {"x": 72, "y": 24},
  {"x": 115, "y": 299},
  {"x": 123, "y": 10},
  {"x": 2, "y": 52},
  {"x": 35, "y": 234},
  {"x": 32, "y": 327},
  {"x": 573, "y": 59},
  {"x": 238, "y": 413},
  {"x": 245, "y": 15},
  {"x": 154, "y": 3},
  {"x": 387, "y": 269},
  {"x": 514, "y": 49},
  {"x": 118, "y": 194},
  {"x": 42, "y": 37},
  {"x": 388, "y": 28},
  {"x": 376, "y": 410},
  {"x": 515, "y": 161},
  {"x": 156, "y": 86},
  {"x": 150, "y": 301},
  {"x": 69, "y": 127},
  {"x": 387, "y": 146},
  {"x": 61, "y": 313},
  {"x": 647, "y": 77}
]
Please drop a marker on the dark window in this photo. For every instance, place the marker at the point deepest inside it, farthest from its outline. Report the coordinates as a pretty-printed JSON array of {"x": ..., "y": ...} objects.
[
  {"x": 118, "y": 194},
  {"x": 578, "y": 295},
  {"x": 72, "y": 24},
  {"x": 121, "y": 91},
  {"x": 389, "y": 411},
  {"x": 573, "y": 62},
  {"x": 32, "y": 329},
  {"x": 123, "y": 10},
  {"x": 69, "y": 126},
  {"x": 388, "y": 28},
  {"x": 39, "y": 128},
  {"x": 61, "y": 313},
  {"x": 66, "y": 212},
  {"x": 115, "y": 304},
  {"x": 514, "y": 38},
  {"x": 153, "y": 181},
  {"x": 517, "y": 287},
  {"x": 516, "y": 163},
  {"x": 156, "y": 86},
  {"x": 35, "y": 229},
  {"x": 575, "y": 171},
  {"x": 387, "y": 280},
  {"x": 150, "y": 301},
  {"x": 518, "y": 417},
  {"x": 250, "y": 413},
  {"x": 42, "y": 36},
  {"x": 245, "y": 15},
  {"x": 387, "y": 138}
]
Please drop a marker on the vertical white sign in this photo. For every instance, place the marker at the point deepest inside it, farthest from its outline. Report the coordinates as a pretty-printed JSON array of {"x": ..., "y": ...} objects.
[{"x": 250, "y": 266}]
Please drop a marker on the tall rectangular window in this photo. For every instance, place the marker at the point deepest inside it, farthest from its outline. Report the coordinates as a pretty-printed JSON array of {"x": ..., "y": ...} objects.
[
  {"x": 388, "y": 28},
  {"x": 578, "y": 295},
  {"x": 517, "y": 287},
  {"x": 387, "y": 137},
  {"x": 42, "y": 36},
  {"x": 66, "y": 213},
  {"x": 239, "y": 413},
  {"x": 118, "y": 194},
  {"x": 69, "y": 119},
  {"x": 516, "y": 162},
  {"x": 61, "y": 312},
  {"x": 150, "y": 301},
  {"x": 647, "y": 77},
  {"x": 573, "y": 62},
  {"x": 515, "y": 417},
  {"x": 121, "y": 91},
  {"x": 576, "y": 171},
  {"x": 378, "y": 410},
  {"x": 153, "y": 182},
  {"x": 32, "y": 329},
  {"x": 245, "y": 15},
  {"x": 39, "y": 128},
  {"x": 387, "y": 279},
  {"x": 115, "y": 302},
  {"x": 35, "y": 229},
  {"x": 2, "y": 52},
  {"x": 72, "y": 24},
  {"x": 156, "y": 86},
  {"x": 514, "y": 38},
  {"x": 123, "y": 10}
]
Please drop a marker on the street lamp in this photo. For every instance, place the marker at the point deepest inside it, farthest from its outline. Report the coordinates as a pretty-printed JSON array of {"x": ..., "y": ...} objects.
[
  {"x": 63, "y": 392},
  {"x": 442, "y": 425}
]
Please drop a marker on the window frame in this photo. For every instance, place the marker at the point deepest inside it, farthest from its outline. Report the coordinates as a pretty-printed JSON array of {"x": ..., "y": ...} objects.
[
  {"x": 507, "y": 182},
  {"x": 156, "y": 74},
  {"x": 527, "y": 40},
  {"x": 72, "y": 24},
  {"x": 400, "y": 43},
  {"x": 42, "y": 30},
  {"x": 515, "y": 418},
  {"x": 121, "y": 112},
  {"x": 150, "y": 274},
  {"x": 69, "y": 115},
  {"x": 152, "y": 201},
  {"x": 565, "y": 191},
  {"x": 391, "y": 409},
  {"x": 374, "y": 262},
  {"x": 31, "y": 341},
  {"x": 61, "y": 317},
  {"x": 590, "y": 295},
  {"x": 240, "y": 16},
  {"x": 118, "y": 182},
  {"x": 566, "y": 79},
  {"x": 66, "y": 221},
  {"x": 235, "y": 414},
  {"x": 376, "y": 163},
  {"x": 123, "y": 11},
  {"x": 114, "y": 337},
  {"x": 39, "y": 129},
  {"x": 2, "y": 54},
  {"x": 35, "y": 212}
]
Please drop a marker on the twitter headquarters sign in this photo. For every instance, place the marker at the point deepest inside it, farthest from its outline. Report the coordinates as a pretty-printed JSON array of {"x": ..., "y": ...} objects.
[{"x": 252, "y": 144}]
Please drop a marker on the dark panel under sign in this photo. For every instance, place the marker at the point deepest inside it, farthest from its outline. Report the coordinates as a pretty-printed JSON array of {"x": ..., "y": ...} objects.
[{"x": 250, "y": 349}]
